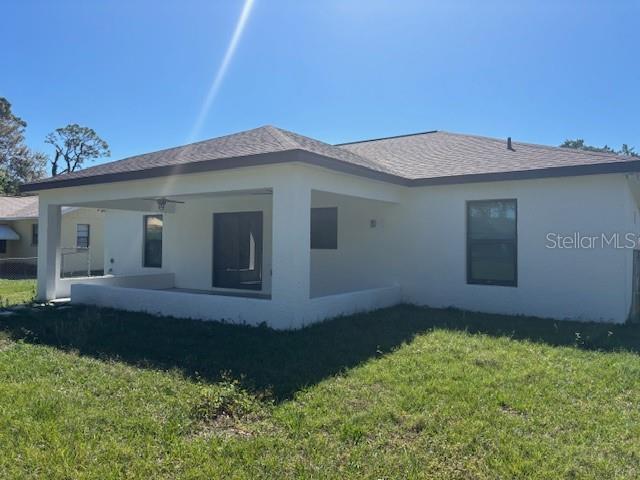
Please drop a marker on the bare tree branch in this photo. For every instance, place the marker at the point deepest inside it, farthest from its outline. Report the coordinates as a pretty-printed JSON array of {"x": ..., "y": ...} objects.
[{"x": 76, "y": 145}]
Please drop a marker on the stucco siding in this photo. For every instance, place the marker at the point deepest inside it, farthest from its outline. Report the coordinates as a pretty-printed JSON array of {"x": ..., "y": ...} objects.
[
  {"x": 187, "y": 247},
  {"x": 356, "y": 264},
  {"x": 365, "y": 254},
  {"x": 585, "y": 284},
  {"x": 417, "y": 247}
]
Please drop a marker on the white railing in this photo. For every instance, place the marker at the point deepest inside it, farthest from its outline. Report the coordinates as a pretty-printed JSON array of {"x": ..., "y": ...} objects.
[{"x": 75, "y": 261}]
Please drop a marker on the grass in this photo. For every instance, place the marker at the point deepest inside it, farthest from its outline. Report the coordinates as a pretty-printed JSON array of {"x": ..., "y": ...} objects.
[
  {"x": 400, "y": 393},
  {"x": 14, "y": 292}
]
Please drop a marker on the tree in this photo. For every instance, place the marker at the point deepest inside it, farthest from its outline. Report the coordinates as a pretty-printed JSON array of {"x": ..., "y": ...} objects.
[
  {"x": 627, "y": 150},
  {"x": 579, "y": 144},
  {"x": 73, "y": 146},
  {"x": 18, "y": 163}
]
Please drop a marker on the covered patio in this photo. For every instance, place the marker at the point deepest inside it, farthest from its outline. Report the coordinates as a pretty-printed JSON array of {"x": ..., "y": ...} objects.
[{"x": 284, "y": 244}]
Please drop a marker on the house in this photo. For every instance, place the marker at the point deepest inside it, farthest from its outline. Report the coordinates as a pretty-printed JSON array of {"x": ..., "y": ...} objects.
[
  {"x": 82, "y": 251},
  {"x": 271, "y": 226}
]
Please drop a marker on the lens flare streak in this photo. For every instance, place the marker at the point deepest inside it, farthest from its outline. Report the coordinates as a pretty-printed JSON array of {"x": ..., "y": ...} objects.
[{"x": 222, "y": 70}]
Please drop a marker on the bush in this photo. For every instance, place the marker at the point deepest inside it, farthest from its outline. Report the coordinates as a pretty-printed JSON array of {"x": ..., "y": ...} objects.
[{"x": 224, "y": 399}]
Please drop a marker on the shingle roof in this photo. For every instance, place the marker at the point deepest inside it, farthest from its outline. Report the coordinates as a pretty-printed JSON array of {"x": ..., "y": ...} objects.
[
  {"x": 428, "y": 157},
  {"x": 18, "y": 207},
  {"x": 258, "y": 141},
  {"x": 442, "y": 154}
]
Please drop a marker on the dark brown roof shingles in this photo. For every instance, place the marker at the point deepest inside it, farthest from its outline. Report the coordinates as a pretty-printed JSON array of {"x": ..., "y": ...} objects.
[
  {"x": 430, "y": 155},
  {"x": 444, "y": 154}
]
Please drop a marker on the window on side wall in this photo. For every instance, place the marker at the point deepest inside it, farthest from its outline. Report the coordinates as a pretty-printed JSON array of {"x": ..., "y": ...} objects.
[
  {"x": 324, "y": 228},
  {"x": 152, "y": 254},
  {"x": 3, "y": 246},
  {"x": 492, "y": 247},
  {"x": 82, "y": 235},
  {"x": 34, "y": 235}
]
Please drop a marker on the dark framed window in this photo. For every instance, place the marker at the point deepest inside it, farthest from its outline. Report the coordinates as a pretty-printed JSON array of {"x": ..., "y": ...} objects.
[
  {"x": 34, "y": 234},
  {"x": 324, "y": 228},
  {"x": 3, "y": 246},
  {"x": 152, "y": 254},
  {"x": 492, "y": 243},
  {"x": 82, "y": 235}
]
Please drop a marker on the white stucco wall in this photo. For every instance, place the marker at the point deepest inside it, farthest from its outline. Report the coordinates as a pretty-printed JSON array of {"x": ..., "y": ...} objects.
[
  {"x": 188, "y": 243},
  {"x": 362, "y": 260},
  {"x": 157, "y": 281},
  {"x": 249, "y": 311},
  {"x": 419, "y": 242},
  {"x": 560, "y": 283},
  {"x": 187, "y": 247}
]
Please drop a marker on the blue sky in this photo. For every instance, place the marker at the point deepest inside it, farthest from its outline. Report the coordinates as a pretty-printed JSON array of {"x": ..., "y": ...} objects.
[{"x": 139, "y": 71}]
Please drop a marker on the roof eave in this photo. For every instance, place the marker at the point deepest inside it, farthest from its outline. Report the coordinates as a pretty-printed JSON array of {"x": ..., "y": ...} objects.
[
  {"x": 14, "y": 219},
  {"x": 303, "y": 156},
  {"x": 164, "y": 171},
  {"x": 552, "y": 172},
  {"x": 272, "y": 158}
]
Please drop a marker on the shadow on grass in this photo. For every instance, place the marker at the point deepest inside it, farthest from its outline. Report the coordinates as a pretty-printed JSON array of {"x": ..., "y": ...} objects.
[{"x": 284, "y": 362}]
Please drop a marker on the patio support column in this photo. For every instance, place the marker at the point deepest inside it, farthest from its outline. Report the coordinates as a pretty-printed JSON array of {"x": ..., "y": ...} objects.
[
  {"x": 49, "y": 221},
  {"x": 291, "y": 249}
]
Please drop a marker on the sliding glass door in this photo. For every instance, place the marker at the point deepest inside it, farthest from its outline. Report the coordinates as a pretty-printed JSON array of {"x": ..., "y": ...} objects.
[{"x": 237, "y": 250}]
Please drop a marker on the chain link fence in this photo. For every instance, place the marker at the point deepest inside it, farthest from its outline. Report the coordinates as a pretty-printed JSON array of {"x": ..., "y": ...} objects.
[{"x": 18, "y": 268}]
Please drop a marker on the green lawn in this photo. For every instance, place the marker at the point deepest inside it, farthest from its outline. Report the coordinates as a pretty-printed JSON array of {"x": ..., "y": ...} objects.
[
  {"x": 13, "y": 292},
  {"x": 400, "y": 393}
]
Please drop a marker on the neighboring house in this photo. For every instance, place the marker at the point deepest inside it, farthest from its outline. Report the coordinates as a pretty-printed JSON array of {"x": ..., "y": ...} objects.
[
  {"x": 81, "y": 238},
  {"x": 271, "y": 226}
]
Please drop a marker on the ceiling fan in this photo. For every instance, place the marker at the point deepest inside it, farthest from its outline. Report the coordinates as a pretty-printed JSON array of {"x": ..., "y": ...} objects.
[{"x": 162, "y": 202}]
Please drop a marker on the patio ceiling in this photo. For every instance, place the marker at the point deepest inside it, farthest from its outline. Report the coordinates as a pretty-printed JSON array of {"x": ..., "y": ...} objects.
[{"x": 150, "y": 204}]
